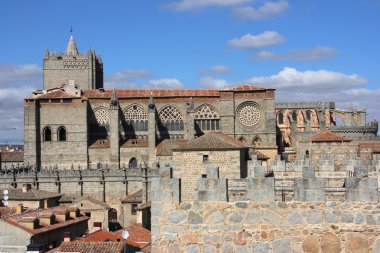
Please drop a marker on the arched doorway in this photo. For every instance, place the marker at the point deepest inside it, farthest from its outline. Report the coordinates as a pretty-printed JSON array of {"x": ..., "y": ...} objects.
[{"x": 133, "y": 163}]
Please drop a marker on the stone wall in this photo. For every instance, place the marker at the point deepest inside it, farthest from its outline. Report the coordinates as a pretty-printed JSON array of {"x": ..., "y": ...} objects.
[
  {"x": 265, "y": 227},
  {"x": 258, "y": 223}
]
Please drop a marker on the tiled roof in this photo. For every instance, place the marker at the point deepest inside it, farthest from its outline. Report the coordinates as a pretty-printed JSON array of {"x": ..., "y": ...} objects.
[
  {"x": 137, "y": 234},
  {"x": 56, "y": 94},
  {"x": 373, "y": 145},
  {"x": 100, "y": 236},
  {"x": 260, "y": 156},
  {"x": 15, "y": 156},
  {"x": 135, "y": 143},
  {"x": 6, "y": 211},
  {"x": 165, "y": 148},
  {"x": 147, "y": 93},
  {"x": 328, "y": 136},
  {"x": 32, "y": 194},
  {"x": 133, "y": 198},
  {"x": 71, "y": 198},
  {"x": 91, "y": 247},
  {"x": 212, "y": 141},
  {"x": 15, "y": 219},
  {"x": 100, "y": 144},
  {"x": 245, "y": 87}
]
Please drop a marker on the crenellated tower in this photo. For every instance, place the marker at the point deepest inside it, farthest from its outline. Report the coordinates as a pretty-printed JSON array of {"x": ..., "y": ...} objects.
[{"x": 86, "y": 69}]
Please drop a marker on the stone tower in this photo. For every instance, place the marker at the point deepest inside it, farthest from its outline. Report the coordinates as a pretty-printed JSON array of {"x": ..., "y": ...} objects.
[{"x": 86, "y": 69}]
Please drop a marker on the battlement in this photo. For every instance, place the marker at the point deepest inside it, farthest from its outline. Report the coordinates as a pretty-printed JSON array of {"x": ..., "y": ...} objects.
[{"x": 305, "y": 105}]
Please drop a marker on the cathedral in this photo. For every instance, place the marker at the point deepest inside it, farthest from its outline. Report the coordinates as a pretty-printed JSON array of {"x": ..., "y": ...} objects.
[{"x": 75, "y": 121}]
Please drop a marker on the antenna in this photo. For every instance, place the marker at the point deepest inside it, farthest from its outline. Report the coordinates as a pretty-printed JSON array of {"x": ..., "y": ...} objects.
[{"x": 71, "y": 30}]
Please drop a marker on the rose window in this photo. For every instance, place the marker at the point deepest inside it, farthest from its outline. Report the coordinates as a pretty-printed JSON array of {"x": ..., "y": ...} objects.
[{"x": 249, "y": 114}]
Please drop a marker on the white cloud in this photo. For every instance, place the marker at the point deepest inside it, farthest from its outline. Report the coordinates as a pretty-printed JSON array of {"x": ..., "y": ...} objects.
[
  {"x": 250, "y": 42},
  {"x": 164, "y": 83},
  {"x": 188, "y": 5},
  {"x": 214, "y": 70},
  {"x": 309, "y": 80},
  {"x": 209, "y": 82},
  {"x": 267, "y": 10},
  {"x": 12, "y": 73},
  {"x": 125, "y": 78},
  {"x": 315, "y": 53}
]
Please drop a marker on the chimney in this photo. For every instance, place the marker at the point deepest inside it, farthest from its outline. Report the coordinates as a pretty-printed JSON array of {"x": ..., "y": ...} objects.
[
  {"x": 19, "y": 209},
  {"x": 97, "y": 226},
  {"x": 66, "y": 236},
  {"x": 62, "y": 215},
  {"x": 26, "y": 188}
]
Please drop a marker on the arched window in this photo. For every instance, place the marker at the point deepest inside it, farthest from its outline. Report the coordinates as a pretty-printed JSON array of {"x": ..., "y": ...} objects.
[
  {"x": 281, "y": 118},
  {"x": 62, "y": 135},
  {"x": 257, "y": 142},
  {"x": 170, "y": 119},
  {"x": 136, "y": 117},
  {"x": 102, "y": 116},
  {"x": 133, "y": 163},
  {"x": 207, "y": 118},
  {"x": 294, "y": 115},
  {"x": 47, "y": 134},
  {"x": 308, "y": 115}
]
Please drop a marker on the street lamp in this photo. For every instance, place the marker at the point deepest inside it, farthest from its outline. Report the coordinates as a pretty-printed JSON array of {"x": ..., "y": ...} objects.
[{"x": 125, "y": 236}]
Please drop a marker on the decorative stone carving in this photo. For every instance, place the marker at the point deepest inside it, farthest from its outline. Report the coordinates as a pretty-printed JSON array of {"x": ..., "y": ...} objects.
[{"x": 249, "y": 114}]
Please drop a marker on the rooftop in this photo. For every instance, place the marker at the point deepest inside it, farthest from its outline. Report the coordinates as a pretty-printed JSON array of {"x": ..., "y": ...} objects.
[
  {"x": 165, "y": 148},
  {"x": 328, "y": 136},
  {"x": 133, "y": 198},
  {"x": 91, "y": 247},
  {"x": 137, "y": 234},
  {"x": 32, "y": 194},
  {"x": 15, "y": 219},
  {"x": 212, "y": 141}
]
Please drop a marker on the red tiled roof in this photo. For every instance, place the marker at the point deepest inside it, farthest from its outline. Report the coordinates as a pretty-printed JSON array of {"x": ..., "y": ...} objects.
[
  {"x": 100, "y": 236},
  {"x": 6, "y": 211},
  {"x": 137, "y": 234},
  {"x": 260, "y": 156},
  {"x": 32, "y": 194},
  {"x": 56, "y": 94},
  {"x": 165, "y": 148},
  {"x": 328, "y": 136},
  {"x": 133, "y": 198},
  {"x": 135, "y": 143},
  {"x": 373, "y": 145},
  {"x": 17, "y": 218},
  {"x": 100, "y": 144},
  {"x": 245, "y": 87},
  {"x": 154, "y": 93},
  {"x": 91, "y": 247},
  {"x": 212, "y": 141},
  {"x": 15, "y": 156}
]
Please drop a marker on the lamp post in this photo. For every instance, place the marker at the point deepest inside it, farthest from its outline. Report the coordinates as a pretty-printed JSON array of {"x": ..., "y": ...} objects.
[{"x": 125, "y": 237}]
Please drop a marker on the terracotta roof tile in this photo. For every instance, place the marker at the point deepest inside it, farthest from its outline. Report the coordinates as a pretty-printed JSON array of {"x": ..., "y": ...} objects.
[
  {"x": 55, "y": 94},
  {"x": 91, "y": 247},
  {"x": 137, "y": 234},
  {"x": 15, "y": 220},
  {"x": 260, "y": 156},
  {"x": 328, "y": 136},
  {"x": 212, "y": 141},
  {"x": 32, "y": 194},
  {"x": 100, "y": 144},
  {"x": 135, "y": 143},
  {"x": 165, "y": 148},
  {"x": 133, "y": 198},
  {"x": 72, "y": 199},
  {"x": 374, "y": 146},
  {"x": 245, "y": 87},
  {"x": 100, "y": 236},
  {"x": 147, "y": 93}
]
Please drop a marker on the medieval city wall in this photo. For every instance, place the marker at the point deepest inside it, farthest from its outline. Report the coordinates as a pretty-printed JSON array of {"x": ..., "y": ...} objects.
[{"x": 308, "y": 222}]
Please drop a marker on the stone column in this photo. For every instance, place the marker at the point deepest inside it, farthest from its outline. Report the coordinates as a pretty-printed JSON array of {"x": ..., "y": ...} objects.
[
  {"x": 32, "y": 134},
  {"x": 227, "y": 110},
  {"x": 114, "y": 132},
  {"x": 190, "y": 120},
  {"x": 151, "y": 132}
]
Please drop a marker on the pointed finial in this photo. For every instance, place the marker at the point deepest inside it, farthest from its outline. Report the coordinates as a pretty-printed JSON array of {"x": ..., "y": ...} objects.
[{"x": 71, "y": 30}]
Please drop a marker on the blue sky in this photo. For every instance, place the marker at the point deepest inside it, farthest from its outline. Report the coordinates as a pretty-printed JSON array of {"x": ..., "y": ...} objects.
[{"x": 316, "y": 50}]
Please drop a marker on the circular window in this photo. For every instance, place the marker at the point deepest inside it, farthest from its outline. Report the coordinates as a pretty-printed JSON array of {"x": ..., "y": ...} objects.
[{"x": 249, "y": 114}]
